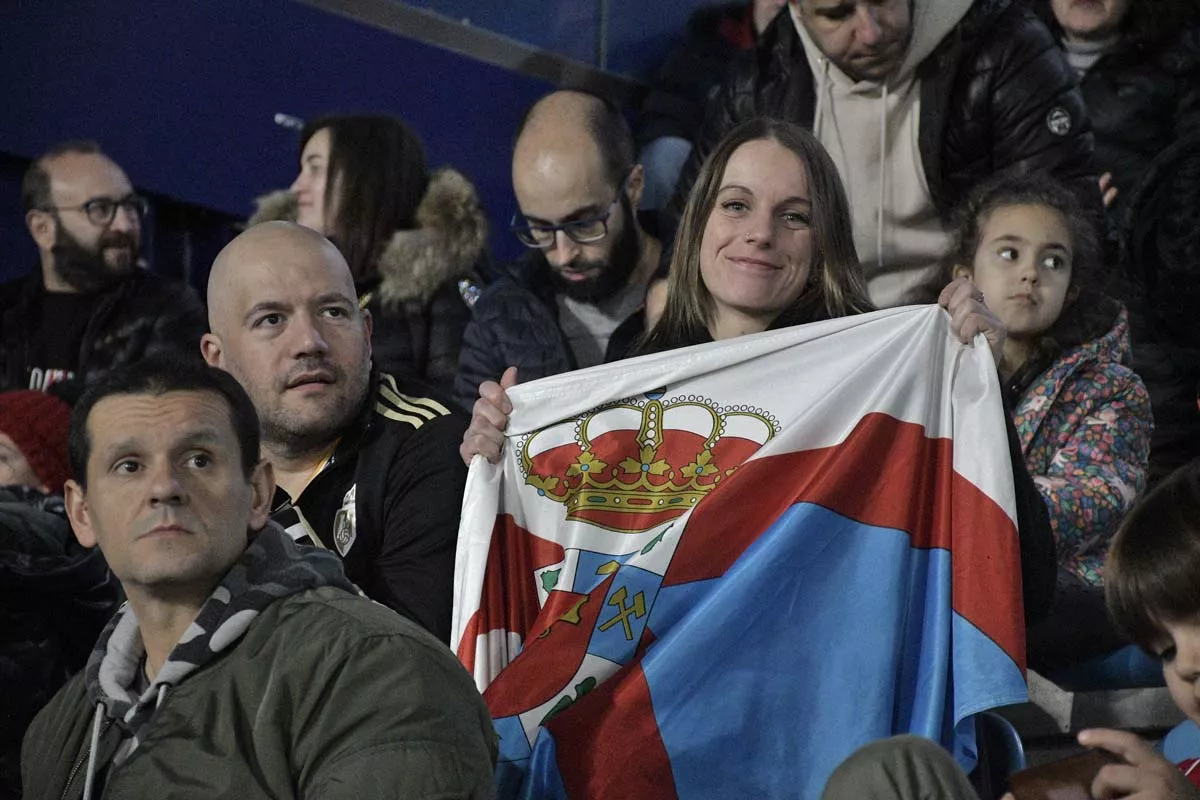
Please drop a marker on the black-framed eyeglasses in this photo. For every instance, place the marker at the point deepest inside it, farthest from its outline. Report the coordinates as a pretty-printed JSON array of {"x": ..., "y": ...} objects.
[
  {"x": 101, "y": 211},
  {"x": 580, "y": 231}
]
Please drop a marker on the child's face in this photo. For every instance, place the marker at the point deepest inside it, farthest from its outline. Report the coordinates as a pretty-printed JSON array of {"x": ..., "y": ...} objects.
[
  {"x": 14, "y": 469},
  {"x": 1180, "y": 655},
  {"x": 1023, "y": 267}
]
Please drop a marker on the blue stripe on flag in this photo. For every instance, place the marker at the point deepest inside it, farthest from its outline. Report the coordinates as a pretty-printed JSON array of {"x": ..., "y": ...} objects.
[
  {"x": 544, "y": 781},
  {"x": 824, "y": 635},
  {"x": 514, "y": 745},
  {"x": 980, "y": 680}
]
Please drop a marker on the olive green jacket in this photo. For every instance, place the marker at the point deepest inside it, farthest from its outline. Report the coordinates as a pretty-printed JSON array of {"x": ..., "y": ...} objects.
[{"x": 326, "y": 695}]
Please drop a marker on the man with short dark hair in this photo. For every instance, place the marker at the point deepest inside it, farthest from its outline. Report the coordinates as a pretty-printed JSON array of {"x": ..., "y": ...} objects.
[
  {"x": 367, "y": 464},
  {"x": 916, "y": 101},
  {"x": 591, "y": 256},
  {"x": 243, "y": 665},
  {"x": 91, "y": 305}
]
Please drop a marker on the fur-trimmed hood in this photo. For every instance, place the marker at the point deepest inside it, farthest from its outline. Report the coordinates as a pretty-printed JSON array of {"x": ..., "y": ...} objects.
[{"x": 449, "y": 239}]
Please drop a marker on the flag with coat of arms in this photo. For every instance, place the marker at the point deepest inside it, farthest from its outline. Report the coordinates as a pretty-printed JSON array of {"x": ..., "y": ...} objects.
[{"x": 718, "y": 571}]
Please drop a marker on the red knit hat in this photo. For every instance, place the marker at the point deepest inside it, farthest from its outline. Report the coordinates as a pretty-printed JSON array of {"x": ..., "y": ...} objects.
[{"x": 38, "y": 424}]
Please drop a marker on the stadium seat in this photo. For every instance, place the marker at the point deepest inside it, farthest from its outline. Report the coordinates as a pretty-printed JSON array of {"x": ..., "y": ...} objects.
[
  {"x": 1127, "y": 668},
  {"x": 1001, "y": 753}
]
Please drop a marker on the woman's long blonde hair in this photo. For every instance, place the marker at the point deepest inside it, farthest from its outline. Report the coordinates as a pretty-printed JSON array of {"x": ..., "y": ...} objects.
[{"x": 836, "y": 287}]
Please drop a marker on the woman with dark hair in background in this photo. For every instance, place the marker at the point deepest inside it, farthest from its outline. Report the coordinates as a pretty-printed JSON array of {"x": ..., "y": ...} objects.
[{"x": 409, "y": 236}]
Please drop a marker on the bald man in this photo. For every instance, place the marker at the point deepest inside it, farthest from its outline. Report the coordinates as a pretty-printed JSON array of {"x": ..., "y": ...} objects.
[
  {"x": 89, "y": 306},
  {"x": 366, "y": 466},
  {"x": 591, "y": 254}
]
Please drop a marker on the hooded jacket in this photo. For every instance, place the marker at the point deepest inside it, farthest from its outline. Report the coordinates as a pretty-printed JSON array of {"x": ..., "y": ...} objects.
[
  {"x": 1084, "y": 425},
  {"x": 55, "y": 598},
  {"x": 140, "y": 316},
  {"x": 416, "y": 303},
  {"x": 287, "y": 684},
  {"x": 983, "y": 89},
  {"x": 870, "y": 130}
]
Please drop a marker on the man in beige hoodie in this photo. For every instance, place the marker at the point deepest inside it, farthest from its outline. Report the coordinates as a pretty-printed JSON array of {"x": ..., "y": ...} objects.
[{"x": 916, "y": 101}]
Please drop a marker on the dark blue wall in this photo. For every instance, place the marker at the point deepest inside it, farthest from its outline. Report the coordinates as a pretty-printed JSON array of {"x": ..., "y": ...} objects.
[
  {"x": 17, "y": 253},
  {"x": 639, "y": 32},
  {"x": 183, "y": 95}
]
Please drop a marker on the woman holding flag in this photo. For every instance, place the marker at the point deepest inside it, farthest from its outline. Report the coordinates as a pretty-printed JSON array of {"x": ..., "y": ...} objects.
[{"x": 765, "y": 243}]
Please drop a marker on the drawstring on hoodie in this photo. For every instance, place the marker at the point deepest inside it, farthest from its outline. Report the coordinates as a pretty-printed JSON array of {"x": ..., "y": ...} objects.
[
  {"x": 101, "y": 711},
  {"x": 883, "y": 158},
  {"x": 818, "y": 121},
  {"x": 872, "y": 129},
  {"x": 90, "y": 775},
  {"x": 818, "y": 117}
]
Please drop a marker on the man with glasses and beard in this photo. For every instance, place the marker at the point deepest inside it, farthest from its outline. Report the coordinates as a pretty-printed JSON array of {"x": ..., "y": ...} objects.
[
  {"x": 591, "y": 256},
  {"x": 91, "y": 306}
]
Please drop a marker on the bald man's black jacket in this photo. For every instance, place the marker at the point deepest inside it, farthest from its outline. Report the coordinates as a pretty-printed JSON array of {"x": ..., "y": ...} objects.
[{"x": 388, "y": 501}]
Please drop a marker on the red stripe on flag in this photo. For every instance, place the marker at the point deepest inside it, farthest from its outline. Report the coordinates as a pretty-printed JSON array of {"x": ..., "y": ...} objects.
[
  {"x": 509, "y": 600},
  {"x": 987, "y": 569},
  {"x": 856, "y": 479},
  {"x": 619, "y": 752},
  {"x": 569, "y": 619},
  {"x": 469, "y": 643}
]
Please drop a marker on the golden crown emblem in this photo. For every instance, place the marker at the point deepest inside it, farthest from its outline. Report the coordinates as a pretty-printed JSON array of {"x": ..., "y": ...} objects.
[{"x": 632, "y": 465}]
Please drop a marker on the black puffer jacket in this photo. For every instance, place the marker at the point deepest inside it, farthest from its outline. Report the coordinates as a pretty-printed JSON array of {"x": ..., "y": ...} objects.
[
  {"x": 55, "y": 598},
  {"x": 1144, "y": 94},
  {"x": 515, "y": 323},
  {"x": 996, "y": 95},
  {"x": 1140, "y": 102},
  {"x": 1160, "y": 238},
  {"x": 714, "y": 36},
  {"x": 141, "y": 316}
]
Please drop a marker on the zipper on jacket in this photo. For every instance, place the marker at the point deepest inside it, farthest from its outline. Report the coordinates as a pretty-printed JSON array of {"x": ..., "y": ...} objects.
[{"x": 75, "y": 770}]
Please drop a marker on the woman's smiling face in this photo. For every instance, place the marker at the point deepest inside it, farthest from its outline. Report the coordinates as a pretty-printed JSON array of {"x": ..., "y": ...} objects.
[{"x": 757, "y": 249}]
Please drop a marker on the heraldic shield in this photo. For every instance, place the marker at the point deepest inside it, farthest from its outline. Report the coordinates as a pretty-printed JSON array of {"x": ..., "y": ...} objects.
[{"x": 632, "y": 467}]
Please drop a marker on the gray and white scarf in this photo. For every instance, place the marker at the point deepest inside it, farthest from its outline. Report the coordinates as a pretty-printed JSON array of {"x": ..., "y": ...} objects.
[{"x": 271, "y": 567}]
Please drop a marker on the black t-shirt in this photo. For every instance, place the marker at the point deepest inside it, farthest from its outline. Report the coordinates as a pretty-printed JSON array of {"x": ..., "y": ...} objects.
[{"x": 54, "y": 345}]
